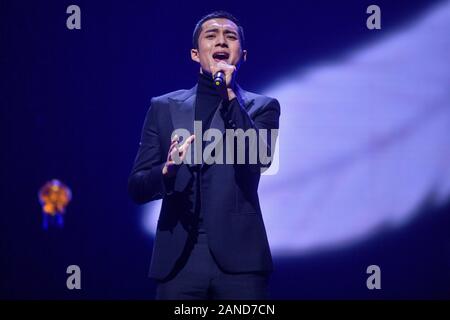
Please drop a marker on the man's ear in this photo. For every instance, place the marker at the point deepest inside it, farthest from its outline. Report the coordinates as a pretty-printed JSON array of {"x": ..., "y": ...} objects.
[{"x": 194, "y": 55}]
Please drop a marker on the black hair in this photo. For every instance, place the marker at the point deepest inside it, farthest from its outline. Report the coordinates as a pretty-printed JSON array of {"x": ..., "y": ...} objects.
[{"x": 214, "y": 15}]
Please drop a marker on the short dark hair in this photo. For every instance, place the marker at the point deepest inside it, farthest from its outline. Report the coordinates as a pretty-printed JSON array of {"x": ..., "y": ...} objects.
[{"x": 215, "y": 15}]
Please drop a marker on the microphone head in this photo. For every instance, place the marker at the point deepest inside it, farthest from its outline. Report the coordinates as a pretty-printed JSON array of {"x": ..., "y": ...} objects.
[{"x": 219, "y": 78}]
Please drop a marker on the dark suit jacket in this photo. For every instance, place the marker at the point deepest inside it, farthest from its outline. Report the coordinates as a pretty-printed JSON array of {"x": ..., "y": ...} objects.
[{"x": 232, "y": 214}]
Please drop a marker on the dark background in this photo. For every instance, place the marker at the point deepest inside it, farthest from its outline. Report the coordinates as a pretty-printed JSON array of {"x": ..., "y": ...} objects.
[{"x": 72, "y": 107}]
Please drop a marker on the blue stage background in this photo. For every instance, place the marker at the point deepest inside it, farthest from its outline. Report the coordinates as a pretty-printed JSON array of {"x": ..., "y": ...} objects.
[{"x": 73, "y": 104}]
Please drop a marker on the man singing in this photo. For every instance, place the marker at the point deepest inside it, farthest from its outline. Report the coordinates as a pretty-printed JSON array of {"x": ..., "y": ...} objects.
[{"x": 210, "y": 241}]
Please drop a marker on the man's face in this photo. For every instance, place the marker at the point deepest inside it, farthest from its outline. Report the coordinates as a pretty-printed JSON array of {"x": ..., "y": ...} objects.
[{"x": 218, "y": 40}]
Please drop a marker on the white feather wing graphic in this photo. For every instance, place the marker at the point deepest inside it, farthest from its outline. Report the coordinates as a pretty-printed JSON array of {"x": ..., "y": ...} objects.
[{"x": 364, "y": 140}]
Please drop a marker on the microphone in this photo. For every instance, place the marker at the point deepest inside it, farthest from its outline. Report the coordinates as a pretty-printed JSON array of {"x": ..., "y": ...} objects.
[{"x": 219, "y": 78}]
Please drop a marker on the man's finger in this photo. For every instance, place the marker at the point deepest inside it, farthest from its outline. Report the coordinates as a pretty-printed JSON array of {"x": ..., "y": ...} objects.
[
  {"x": 187, "y": 143},
  {"x": 174, "y": 152},
  {"x": 175, "y": 156},
  {"x": 173, "y": 145},
  {"x": 214, "y": 68},
  {"x": 190, "y": 139}
]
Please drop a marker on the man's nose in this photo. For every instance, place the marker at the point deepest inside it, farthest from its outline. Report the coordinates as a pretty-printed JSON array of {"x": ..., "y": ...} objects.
[{"x": 221, "y": 41}]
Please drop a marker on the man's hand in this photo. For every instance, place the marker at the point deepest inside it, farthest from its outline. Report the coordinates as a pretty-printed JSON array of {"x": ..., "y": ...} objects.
[
  {"x": 229, "y": 71},
  {"x": 176, "y": 155}
]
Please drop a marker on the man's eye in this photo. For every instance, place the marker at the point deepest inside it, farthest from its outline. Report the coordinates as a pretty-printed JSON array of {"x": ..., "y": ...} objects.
[
  {"x": 232, "y": 37},
  {"x": 210, "y": 36}
]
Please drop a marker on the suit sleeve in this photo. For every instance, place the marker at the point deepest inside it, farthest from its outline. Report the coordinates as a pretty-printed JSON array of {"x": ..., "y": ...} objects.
[
  {"x": 146, "y": 181},
  {"x": 236, "y": 117}
]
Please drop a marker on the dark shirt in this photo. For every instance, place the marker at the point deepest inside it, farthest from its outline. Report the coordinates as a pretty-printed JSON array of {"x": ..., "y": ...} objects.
[{"x": 207, "y": 101}]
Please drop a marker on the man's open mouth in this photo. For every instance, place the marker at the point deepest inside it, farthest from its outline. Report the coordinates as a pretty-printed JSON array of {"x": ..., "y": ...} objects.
[{"x": 220, "y": 56}]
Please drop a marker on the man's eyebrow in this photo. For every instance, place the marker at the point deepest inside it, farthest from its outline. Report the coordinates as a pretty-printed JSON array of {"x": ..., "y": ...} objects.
[
  {"x": 217, "y": 30},
  {"x": 212, "y": 30},
  {"x": 230, "y": 31}
]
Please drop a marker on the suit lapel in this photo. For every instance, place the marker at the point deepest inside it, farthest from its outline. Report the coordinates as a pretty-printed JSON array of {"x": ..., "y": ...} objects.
[
  {"x": 182, "y": 113},
  {"x": 182, "y": 110}
]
